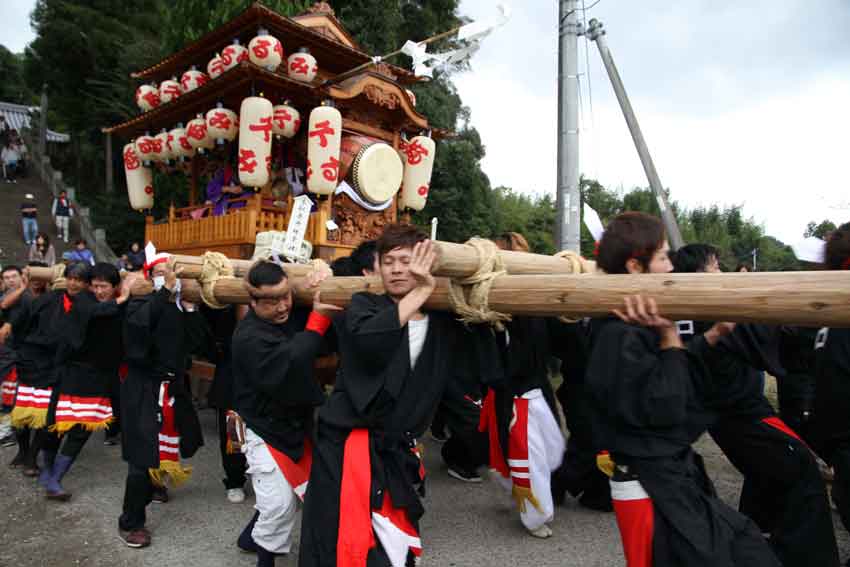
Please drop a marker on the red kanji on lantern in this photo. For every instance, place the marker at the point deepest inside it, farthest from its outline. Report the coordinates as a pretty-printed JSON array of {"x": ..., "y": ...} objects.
[
  {"x": 184, "y": 80},
  {"x": 423, "y": 191},
  {"x": 184, "y": 143},
  {"x": 145, "y": 145},
  {"x": 261, "y": 48},
  {"x": 330, "y": 169},
  {"x": 322, "y": 130},
  {"x": 282, "y": 116},
  {"x": 269, "y": 164},
  {"x": 309, "y": 169},
  {"x": 415, "y": 152},
  {"x": 299, "y": 65},
  {"x": 264, "y": 126},
  {"x": 278, "y": 48},
  {"x": 172, "y": 89},
  {"x": 197, "y": 130},
  {"x": 220, "y": 120},
  {"x": 156, "y": 145},
  {"x": 217, "y": 66},
  {"x": 151, "y": 97},
  {"x": 247, "y": 163},
  {"x": 168, "y": 142},
  {"x": 226, "y": 56},
  {"x": 297, "y": 124},
  {"x": 149, "y": 190},
  {"x": 131, "y": 160}
]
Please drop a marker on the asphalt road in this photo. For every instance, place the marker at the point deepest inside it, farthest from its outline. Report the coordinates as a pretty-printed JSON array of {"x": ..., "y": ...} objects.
[{"x": 466, "y": 525}]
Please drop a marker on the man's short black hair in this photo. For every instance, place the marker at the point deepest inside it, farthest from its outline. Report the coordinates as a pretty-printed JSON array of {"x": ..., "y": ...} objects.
[
  {"x": 345, "y": 267},
  {"x": 265, "y": 273},
  {"x": 79, "y": 271},
  {"x": 363, "y": 257},
  {"x": 10, "y": 268},
  {"x": 105, "y": 271},
  {"x": 693, "y": 258}
]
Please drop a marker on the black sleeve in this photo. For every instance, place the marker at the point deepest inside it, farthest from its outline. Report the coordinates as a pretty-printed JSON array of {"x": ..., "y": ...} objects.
[
  {"x": 199, "y": 336},
  {"x": 143, "y": 314},
  {"x": 374, "y": 330}
]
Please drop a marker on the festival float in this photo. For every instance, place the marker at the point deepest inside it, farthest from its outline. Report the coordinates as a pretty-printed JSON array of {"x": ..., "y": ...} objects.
[{"x": 293, "y": 127}]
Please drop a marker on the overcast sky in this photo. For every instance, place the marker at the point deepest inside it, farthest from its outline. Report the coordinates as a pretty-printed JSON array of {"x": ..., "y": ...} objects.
[{"x": 741, "y": 102}]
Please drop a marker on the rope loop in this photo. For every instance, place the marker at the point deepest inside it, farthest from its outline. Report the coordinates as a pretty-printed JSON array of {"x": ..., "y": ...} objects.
[
  {"x": 215, "y": 266},
  {"x": 469, "y": 296}
]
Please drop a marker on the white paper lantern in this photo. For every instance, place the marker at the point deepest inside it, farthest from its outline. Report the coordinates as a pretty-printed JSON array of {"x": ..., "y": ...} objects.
[
  {"x": 180, "y": 146},
  {"x": 222, "y": 124},
  {"x": 215, "y": 67},
  {"x": 146, "y": 146},
  {"x": 192, "y": 79},
  {"x": 286, "y": 121},
  {"x": 302, "y": 66},
  {"x": 169, "y": 90},
  {"x": 418, "y": 165},
  {"x": 147, "y": 97},
  {"x": 323, "y": 140},
  {"x": 139, "y": 180},
  {"x": 233, "y": 55},
  {"x": 166, "y": 145},
  {"x": 255, "y": 141},
  {"x": 265, "y": 51},
  {"x": 197, "y": 134}
]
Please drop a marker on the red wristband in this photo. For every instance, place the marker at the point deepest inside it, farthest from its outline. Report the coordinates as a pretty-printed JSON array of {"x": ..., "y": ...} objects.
[{"x": 318, "y": 323}]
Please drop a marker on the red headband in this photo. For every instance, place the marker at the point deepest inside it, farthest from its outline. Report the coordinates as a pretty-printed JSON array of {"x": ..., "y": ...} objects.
[{"x": 159, "y": 260}]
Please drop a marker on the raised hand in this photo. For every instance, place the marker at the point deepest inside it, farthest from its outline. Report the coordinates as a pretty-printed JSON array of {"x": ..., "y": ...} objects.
[
  {"x": 642, "y": 311},
  {"x": 325, "y": 309},
  {"x": 421, "y": 263}
]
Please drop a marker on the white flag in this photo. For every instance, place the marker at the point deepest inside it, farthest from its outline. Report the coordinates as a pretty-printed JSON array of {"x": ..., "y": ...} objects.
[{"x": 593, "y": 223}]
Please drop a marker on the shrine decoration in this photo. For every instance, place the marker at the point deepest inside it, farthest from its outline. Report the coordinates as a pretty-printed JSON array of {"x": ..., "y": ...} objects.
[
  {"x": 192, "y": 79},
  {"x": 286, "y": 120},
  {"x": 222, "y": 124},
  {"x": 169, "y": 90},
  {"x": 166, "y": 146},
  {"x": 302, "y": 66},
  {"x": 147, "y": 97},
  {"x": 198, "y": 134},
  {"x": 323, "y": 145},
  {"x": 146, "y": 146},
  {"x": 418, "y": 166},
  {"x": 233, "y": 55},
  {"x": 255, "y": 141},
  {"x": 139, "y": 180},
  {"x": 265, "y": 51},
  {"x": 372, "y": 167},
  {"x": 215, "y": 68},
  {"x": 180, "y": 146}
]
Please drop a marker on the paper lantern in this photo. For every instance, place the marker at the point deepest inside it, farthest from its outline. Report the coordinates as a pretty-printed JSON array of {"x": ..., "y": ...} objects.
[
  {"x": 255, "y": 141},
  {"x": 180, "y": 146},
  {"x": 215, "y": 67},
  {"x": 286, "y": 121},
  {"x": 418, "y": 166},
  {"x": 139, "y": 180},
  {"x": 323, "y": 141},
  {"x": 169, "y": 90},
  {"x": 197, "y": 134},
  {"x": 301, "y": 66},
  {"x": 265, "y": 51},
  {"x": 192, "y": 79},
  {"x": 146, "y": 148},
  {"x": 222, "y": 124},
  {"x": 233, "y": 55},
  {"x": 147, "y": 97},
  {"x": 166, "y": 146}
]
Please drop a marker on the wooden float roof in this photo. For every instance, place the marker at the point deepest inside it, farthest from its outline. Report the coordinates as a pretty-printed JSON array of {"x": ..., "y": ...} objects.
[
  {"x": 383, "y": 100},
  {"x": 333, "y": 47}
]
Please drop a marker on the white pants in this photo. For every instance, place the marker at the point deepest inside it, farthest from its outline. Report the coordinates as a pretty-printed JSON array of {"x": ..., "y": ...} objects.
[
  {"x": 62, "y": 227},
  {"x": 275, "y": 499},
  {"x": 545, "y": 452}
]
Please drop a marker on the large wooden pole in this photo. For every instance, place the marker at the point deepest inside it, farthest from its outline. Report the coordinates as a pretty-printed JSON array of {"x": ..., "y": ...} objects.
[
  {"x": 453, "y": 261},
  {"x": 813, "y": 299}
]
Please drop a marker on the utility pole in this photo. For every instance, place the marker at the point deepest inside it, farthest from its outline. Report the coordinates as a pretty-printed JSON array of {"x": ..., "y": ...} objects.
[
  {"x": 597, "y": 33},
  {"x": 568, "y": 199}
]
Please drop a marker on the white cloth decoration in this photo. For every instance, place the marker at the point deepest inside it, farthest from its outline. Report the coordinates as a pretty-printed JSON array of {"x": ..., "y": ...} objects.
[
  {"x": 344, "y": 187},
  {"x": 593, "y": 223},
  {"x": 810, "y": 249}
]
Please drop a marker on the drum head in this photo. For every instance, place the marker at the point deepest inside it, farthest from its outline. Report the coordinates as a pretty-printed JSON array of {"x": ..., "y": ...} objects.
[{"x": 377, "y": 173}]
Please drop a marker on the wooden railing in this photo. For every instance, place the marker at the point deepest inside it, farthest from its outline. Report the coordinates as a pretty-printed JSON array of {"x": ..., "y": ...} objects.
[{"x": 183, "y": 231}]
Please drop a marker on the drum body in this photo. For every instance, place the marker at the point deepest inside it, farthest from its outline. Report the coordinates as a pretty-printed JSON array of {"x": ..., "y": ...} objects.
[{"x": 373, "y": 168}]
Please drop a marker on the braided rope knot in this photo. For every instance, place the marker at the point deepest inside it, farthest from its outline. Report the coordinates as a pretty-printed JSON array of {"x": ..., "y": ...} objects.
[
  {"x": 469, "y": 296},
  {"x": 215, "y": 266}
]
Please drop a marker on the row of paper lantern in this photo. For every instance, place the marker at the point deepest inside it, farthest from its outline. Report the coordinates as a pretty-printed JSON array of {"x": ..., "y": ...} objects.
[
  {"x": 377, "y": 170},
  {"x": 264, "y": 51}
]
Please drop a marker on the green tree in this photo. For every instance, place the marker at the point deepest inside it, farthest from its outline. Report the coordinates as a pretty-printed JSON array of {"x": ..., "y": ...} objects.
[
  {"x": 819, "y": 230},
  {"x": 13, "y": 88}
]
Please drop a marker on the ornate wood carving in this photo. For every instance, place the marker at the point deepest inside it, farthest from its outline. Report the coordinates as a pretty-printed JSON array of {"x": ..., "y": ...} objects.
[
  {"x": 356, "y": 224},
  {"x": 386, "y": 71},
  {"x": 381, "y": 97}
]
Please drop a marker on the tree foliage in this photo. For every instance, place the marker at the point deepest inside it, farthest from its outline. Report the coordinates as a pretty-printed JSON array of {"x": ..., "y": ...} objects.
[{"x": 819, "y": 230}]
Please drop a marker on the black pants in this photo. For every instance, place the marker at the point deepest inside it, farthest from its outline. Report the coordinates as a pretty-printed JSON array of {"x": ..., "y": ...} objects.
[
  {"x": 74, "y": 440},
  {"x": 138, "y": 491},
  {"x": 467, "y": 448},
  {"x": 233, "y": 463},
  {"x": 783, "y": 490},
  {"x": 840, "y": 459},
  {"x": 114, "y": 428}
]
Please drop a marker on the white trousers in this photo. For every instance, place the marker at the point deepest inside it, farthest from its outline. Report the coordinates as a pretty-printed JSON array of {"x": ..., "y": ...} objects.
[
  {"x": 545, "y": 452},
  {"x": 275, "y": 499},
  {"x": 62, "y": 227}
]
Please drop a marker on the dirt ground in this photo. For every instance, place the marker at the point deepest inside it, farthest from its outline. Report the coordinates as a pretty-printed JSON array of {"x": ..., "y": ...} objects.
[{"x": 465, "y": 525}]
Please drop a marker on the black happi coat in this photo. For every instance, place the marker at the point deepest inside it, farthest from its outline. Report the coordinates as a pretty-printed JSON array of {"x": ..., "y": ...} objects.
[
  {"x": 377, "y": 389},
  {"x": 833, "y": 389},
  {"x": 35, "y": 326},
  {"x": 647, "y": 410},
  {"x": 158, "y": 338},
  {"x": 274, "y": 388}
]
